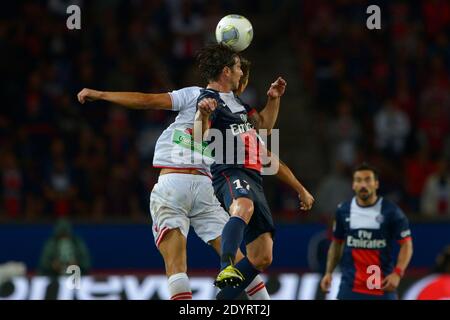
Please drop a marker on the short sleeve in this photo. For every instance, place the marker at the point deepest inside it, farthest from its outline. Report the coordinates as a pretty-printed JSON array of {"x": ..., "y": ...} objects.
[
  {"x": 182, "y": 98},
  {"x": 208, "y": 93},
  {"x": 401, "y": 228},
  {"x": 338, "y": 226}
]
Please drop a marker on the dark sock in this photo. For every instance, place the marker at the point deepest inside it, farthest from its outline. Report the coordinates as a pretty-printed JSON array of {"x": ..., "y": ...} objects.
[
  {"x": 232, "y": 236},
  {"x": 248, "y": 271}
]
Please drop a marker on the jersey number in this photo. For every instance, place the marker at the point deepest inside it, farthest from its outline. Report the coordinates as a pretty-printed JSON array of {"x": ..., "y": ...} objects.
[{"x": 238, "y": 184}]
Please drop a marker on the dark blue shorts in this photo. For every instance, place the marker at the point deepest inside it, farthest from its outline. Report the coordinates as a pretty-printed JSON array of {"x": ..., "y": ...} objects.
[
  {"x": 345, "y": 293},
  {"x": 244, "y": 183}
]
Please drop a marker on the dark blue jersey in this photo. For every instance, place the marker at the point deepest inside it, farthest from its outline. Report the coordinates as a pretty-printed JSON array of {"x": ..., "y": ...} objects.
[
  {"x": 368, "y": 234},
  {"x": 241, "y": 143}
]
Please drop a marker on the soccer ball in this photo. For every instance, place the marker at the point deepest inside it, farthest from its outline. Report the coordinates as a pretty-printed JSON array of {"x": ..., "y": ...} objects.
[{"x": 234, "y": 31}]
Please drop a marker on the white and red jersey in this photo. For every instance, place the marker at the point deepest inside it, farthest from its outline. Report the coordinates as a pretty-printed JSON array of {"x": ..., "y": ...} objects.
[{"x": 173, "y": 148}]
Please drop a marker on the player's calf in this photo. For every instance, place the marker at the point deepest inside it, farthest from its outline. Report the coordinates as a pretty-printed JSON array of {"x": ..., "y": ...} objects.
[
  {"x": 241, "y": 212},
  {"x": 173, "y": 251},
  {"x": 259, "y": 251}
]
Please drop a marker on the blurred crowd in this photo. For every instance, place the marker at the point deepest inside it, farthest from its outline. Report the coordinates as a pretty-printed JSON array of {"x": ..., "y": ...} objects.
[{"x": 382, "y": 95}]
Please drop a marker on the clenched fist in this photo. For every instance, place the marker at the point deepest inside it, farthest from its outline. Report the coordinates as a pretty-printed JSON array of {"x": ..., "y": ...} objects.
[
  {"x": 306, "y": 200},
  {"x": 277, "y": 88},
  {"x": 207, "y": 106},
  {"x": 88, "y": 95}
]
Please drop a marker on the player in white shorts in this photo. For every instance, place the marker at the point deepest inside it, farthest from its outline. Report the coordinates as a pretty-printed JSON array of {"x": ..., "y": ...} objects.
[{"x": 184, "y": 194}]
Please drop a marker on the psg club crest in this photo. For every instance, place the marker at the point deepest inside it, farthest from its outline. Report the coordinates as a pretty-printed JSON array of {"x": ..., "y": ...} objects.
[
  {"x": 244, "y": 117},
  {"x": 242, "y": 191}
]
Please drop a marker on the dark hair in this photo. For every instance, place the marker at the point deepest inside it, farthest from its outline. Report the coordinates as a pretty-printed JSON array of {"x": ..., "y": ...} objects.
[
  {"x": 213, "y": 58},
  {"x": 365, "y": 166}
]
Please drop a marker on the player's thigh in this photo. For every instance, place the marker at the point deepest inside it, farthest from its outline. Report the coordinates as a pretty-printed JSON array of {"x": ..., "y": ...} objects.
[
  {"x": 170, "y": 202},
  {"x": 259, "y": 251},
  {"x": 234, "y": 190},
  {"x": 261, "y": 221},
  {"x": 207, "y": 216}
]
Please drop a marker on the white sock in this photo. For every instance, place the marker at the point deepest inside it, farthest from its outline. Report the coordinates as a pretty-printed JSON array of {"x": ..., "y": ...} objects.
[
  {"x": 256, "y": 290},
  {"x": 179, "y": 287}
]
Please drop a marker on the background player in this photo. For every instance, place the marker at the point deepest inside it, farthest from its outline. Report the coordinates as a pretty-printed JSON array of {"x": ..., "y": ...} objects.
[{"x": 364, "y": 230}]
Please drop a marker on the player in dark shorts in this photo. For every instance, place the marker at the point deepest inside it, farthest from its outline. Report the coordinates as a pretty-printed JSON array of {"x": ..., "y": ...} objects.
[
  {"x": 238, "y": 184},
  {"x": 365, "y": 229}
]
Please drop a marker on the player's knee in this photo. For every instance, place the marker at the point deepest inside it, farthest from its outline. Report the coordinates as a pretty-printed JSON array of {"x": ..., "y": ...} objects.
[
  {"x": 262, "y": 262},
  {"x": 243, "y": 208}
]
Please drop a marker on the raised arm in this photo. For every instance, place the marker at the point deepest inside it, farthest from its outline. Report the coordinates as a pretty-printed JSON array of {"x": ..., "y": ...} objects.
[
  {"x": 268, "y": 116},
  {"x": 131, "y": 100}
]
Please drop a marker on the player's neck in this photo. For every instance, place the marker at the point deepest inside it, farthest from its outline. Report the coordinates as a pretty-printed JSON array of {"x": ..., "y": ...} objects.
[
  {"x": 219, "y": 86},
  {"x": 368, "y": 202}
]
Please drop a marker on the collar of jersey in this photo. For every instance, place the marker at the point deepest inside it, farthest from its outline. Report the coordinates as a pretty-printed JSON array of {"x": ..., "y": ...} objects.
[
  {"x": 370, "y": 205},
  {"x": 230, "y": 92}
]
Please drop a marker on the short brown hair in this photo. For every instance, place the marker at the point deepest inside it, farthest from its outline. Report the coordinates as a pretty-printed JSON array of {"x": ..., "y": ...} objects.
[{"x": 213, "y": 58}]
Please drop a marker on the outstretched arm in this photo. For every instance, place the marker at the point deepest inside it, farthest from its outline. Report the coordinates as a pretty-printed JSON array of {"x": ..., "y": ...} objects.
[
  {"x": 267, "y": 117},
  {"x": 131, "y": 100}
]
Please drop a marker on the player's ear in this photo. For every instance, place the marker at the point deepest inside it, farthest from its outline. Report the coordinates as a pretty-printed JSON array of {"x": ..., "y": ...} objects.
[{"x": 226, "y": 70}]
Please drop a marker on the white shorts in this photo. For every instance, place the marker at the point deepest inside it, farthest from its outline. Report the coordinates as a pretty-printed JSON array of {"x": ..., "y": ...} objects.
[{"x": 181, "y": 200}]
